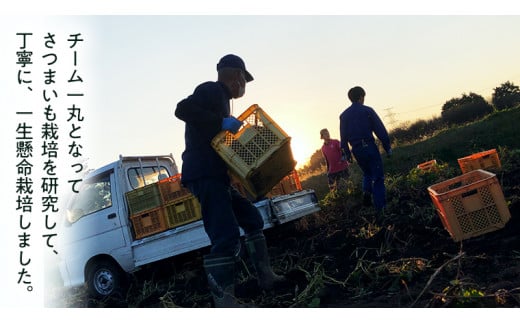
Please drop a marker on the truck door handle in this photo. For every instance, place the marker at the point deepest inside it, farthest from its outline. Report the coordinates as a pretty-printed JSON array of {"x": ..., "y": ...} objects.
[{"x": 111, "y": 216}]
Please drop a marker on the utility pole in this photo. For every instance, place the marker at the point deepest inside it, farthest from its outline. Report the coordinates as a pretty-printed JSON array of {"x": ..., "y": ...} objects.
[{"x": 390, "y": 117}]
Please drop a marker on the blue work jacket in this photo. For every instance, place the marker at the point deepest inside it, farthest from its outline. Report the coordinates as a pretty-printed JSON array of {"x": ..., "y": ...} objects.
[
  {"x": 203, "y": 112},
  {"x": 358, "y": 123}
]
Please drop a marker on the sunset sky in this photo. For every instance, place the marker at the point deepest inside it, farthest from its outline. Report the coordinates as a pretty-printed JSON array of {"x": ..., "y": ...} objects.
[{"x": 137, "y": 67}]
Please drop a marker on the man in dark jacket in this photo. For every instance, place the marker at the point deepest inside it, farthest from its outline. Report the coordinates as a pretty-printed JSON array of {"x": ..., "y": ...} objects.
[
  {"x": 357, "y": 125},
  {"x": 206, "y": 112}
]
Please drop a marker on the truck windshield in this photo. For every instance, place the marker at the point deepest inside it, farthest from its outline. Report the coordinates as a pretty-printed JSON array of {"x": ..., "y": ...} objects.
[
  {"x": 141, "y": 176},
  {"x": 94, "y": 195}
]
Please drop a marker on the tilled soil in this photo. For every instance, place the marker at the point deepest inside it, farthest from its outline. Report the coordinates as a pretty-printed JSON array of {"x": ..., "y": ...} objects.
[
  {"x": 331, "y": 263},
  {"x": 344, "y": 256}
]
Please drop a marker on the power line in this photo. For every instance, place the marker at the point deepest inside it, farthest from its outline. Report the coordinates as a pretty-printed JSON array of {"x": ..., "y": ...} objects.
[
  {"x": 440, "y": 104},
  {"x": 422, "y": 108},
  {"x": 389, "y": 117}
]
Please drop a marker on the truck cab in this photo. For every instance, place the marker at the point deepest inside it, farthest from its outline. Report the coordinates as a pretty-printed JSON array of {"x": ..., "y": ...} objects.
[{"x": 97, "y": 241}]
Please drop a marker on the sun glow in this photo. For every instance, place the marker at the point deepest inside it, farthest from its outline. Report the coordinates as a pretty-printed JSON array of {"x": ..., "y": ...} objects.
[{"x": 300, "y": 152}]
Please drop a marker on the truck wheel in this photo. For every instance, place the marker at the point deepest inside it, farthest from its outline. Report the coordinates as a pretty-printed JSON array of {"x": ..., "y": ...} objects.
[{"x": 104, "y": 279}]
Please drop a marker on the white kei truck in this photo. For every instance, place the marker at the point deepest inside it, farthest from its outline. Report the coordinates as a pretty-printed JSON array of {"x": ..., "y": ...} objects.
[{"x": 97, "y": 243}]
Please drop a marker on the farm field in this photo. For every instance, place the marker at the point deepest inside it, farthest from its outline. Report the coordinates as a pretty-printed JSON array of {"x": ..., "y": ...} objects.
[{"x": 346, "y": 257}]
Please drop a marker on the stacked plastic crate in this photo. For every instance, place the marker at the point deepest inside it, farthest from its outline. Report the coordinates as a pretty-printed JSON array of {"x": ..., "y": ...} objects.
[
  {"x": 471, "y": 204},
  {"x": 146, "y": 214},
  {"x": 159, "y": 206},
  {"x": 181, "y": 207},
  {"x": 289, "y": 184}
]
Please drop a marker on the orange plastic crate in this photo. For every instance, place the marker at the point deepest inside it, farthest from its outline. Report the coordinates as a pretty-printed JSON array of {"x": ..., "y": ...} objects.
[
  {"x": 484, "y": 160},
  {"x": 171, "y": 189},
  {"x": 428, "y": 166},
  {"x": 149, "y": 222},
  {"x": 289, "y": 184},
  {"x": 471, "y": 204}
]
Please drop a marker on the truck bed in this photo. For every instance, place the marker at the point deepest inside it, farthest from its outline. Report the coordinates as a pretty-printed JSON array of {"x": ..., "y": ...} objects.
[{"x": 191, "y": 236}]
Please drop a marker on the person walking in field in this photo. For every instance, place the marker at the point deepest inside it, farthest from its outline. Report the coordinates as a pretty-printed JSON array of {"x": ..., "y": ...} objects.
[
  {"x": 358, "y": 123},
  {"x": 224, "y": 210},
  {"x": 336, "y": 159}
]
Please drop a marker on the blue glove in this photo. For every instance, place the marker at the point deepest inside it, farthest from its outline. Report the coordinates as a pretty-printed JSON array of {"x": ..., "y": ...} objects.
[
  {"x": 231, "y": 124},
  {"x": 389, "y": 153}
]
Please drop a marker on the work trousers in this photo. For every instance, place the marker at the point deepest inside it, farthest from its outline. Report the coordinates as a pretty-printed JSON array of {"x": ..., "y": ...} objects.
[
  {"x": 224, "y": 211},
  {"x": 337, "y": 178},
  {"x": 370, "y": 161}
]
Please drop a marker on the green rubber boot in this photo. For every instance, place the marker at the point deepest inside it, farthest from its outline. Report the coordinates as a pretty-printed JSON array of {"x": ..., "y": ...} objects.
[
  {"x": 220, "y": 272},
  {"x": 257, "y": 249}
]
